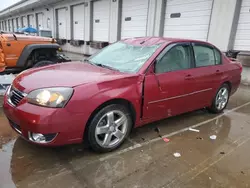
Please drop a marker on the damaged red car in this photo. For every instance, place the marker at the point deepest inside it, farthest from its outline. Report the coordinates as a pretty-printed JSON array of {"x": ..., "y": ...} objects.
[{"x": 127, "y": 84}]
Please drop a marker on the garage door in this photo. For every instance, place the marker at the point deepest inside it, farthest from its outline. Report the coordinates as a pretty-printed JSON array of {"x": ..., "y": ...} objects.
[
  {"x": 14, "y": 24},
  {"x": 31, "y": 21},
  {"x": 61, "y": 23},
  {"x": 40, "y": 20},
  {"x": 10, "y": 25},
  {"x": 242, "y": 37},
  {"x": 134, "y": 18},
  {"x": 187, "y": 19},
  {"x": 18, "y": 23},
  {"x": 78, "y": 22},
  {"x": 101, "y": 13},
  {"x": 24, "y": 21},
  {"x": 6, "y": 25}
]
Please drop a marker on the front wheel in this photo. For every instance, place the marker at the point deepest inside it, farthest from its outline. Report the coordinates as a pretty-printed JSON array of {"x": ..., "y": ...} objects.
[
  {"x": 109, "y": 128},
  {"x": 220, "y": 100}
]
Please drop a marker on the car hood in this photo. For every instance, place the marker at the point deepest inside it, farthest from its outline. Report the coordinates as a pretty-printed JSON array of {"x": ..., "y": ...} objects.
[{"x": 64, "y": 75}]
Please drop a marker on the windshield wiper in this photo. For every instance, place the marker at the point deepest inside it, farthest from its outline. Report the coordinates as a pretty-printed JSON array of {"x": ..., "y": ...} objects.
[
  {"x": 88, "y": 61},
  {"x": 85, "y": 60},
  {"x": 101, "y": 65},
  {"x": 105, "y": 66}
]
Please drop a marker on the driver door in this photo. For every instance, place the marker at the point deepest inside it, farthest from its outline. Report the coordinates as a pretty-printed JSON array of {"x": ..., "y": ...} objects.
[{"x": 168, "y": 84}]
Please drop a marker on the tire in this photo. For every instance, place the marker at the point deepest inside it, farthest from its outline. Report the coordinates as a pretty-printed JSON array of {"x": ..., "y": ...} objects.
[
  {"x": 43, "y": 63},
  {"x": 220, "y": 100},
  {"x": 109, "y": 127}
]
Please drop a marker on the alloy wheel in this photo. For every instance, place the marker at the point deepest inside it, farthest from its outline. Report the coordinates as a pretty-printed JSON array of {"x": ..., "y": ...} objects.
[
  {"x": 222, "y": 98},
  {"x": 111, "y": 129}
]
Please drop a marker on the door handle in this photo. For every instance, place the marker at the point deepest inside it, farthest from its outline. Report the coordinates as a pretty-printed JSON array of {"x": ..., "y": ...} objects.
[{"x": 188, "y": 77}]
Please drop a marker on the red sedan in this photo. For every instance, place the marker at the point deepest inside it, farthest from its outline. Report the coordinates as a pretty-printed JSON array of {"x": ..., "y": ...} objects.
[{"x": 128, "y": 84}]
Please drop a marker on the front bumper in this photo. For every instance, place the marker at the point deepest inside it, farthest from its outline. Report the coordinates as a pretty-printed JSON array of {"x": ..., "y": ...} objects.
[{"x": 27, "y": 118}]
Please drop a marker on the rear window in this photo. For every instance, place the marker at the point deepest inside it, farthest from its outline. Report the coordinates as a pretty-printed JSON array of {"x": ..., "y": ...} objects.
[{"x": 204, "y": 56}]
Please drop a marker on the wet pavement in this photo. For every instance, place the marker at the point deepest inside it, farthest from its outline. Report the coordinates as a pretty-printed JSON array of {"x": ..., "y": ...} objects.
[{"x": 145, "y": 160}]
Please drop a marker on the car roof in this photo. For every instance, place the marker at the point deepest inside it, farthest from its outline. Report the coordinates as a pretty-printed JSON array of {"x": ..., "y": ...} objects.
[{"x": 150, "y": 41}]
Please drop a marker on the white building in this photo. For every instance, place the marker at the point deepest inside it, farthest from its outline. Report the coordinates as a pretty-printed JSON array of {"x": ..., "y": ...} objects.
[{"x": 84, "y": 26}]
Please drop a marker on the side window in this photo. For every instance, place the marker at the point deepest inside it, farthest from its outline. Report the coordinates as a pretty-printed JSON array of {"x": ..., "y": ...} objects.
[
  {"x": 177, "y": 58},
  {"x": 204, "y": 56},
  {"x": 217, "y": 57}
]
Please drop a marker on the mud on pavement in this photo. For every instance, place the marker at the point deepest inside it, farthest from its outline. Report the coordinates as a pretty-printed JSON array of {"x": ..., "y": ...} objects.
[{"x": 145, "y": 160}]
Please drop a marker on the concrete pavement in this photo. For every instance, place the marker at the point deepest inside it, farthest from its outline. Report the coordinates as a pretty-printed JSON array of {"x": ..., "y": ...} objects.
[{"x": 145, "y": 160}]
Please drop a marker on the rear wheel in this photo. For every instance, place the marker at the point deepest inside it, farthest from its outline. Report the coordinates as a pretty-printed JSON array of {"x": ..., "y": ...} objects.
[
  {"x": 109, "y": 128},
  {"x": 220, "y": 100},
  {"x": 43, "y": 63}
]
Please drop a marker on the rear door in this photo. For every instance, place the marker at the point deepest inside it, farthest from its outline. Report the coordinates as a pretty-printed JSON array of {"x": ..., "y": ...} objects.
[
  {"x": 207, "y": 74},
  {"x": 169, "y": 87}
]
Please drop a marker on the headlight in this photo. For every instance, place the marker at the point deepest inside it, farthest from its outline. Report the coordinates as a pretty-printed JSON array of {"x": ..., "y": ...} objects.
[{"x": 50, "y": 97}]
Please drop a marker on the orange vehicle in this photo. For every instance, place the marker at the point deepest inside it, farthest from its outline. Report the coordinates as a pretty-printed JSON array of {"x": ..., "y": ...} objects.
[{"x": 19, "y": 52}]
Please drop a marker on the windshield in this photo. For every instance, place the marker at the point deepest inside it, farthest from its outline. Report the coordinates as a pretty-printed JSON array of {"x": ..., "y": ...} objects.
[{"x": 123, "y": 57}]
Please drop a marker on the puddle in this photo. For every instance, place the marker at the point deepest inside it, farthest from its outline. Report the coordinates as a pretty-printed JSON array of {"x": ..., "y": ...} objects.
[
  {"x": 5, "y": 163},
  {"x": 6, "y": 133},
  {"x": 26, "y": 165},
  {"x": 7, "y": 141}
]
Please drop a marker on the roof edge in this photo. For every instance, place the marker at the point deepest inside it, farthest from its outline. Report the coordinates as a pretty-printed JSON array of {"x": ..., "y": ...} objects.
[{"x": 11, "y": 6}]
